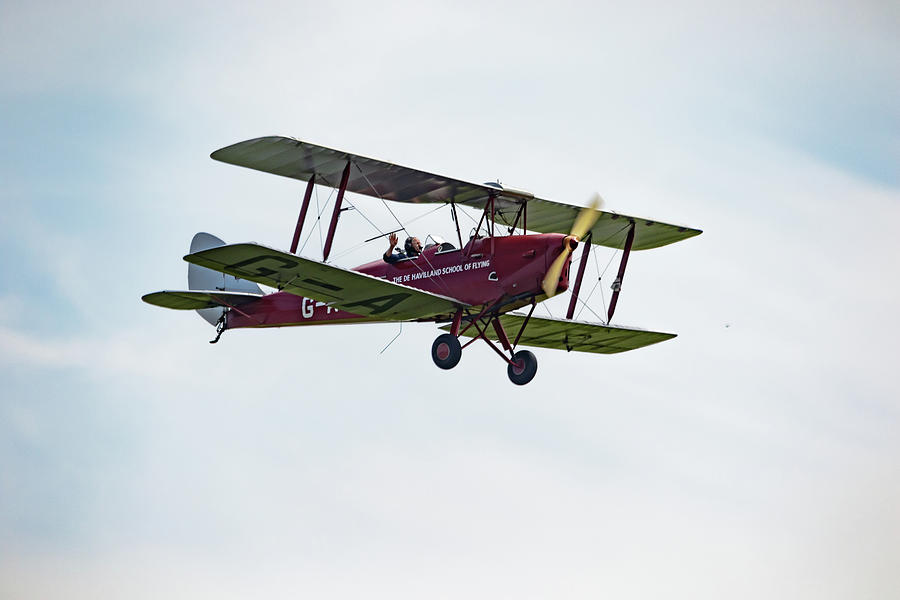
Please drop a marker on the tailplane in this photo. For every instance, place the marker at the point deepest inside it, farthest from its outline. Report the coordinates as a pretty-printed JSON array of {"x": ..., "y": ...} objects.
[
  {"x": 201, "y": 278},
  {"x": 210, "y": 292}
]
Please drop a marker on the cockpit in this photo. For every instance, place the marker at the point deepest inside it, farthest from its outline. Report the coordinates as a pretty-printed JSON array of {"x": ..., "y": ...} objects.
[{"x": 437, "y": 244}]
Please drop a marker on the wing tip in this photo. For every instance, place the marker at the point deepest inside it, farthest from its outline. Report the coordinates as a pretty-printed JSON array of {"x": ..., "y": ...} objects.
[
  {"x": 221, "y": 154},
  {"x": 161, "y": 299}
]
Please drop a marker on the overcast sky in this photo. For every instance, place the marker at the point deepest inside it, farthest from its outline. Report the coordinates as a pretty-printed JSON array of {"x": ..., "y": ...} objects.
[{"x": 755, "y": 455}]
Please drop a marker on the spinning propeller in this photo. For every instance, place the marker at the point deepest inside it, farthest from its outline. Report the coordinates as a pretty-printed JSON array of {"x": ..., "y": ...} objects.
[{"x": 583, "y": 223}]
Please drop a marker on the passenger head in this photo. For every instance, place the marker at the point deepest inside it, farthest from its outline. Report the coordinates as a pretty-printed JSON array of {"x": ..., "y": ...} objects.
[{"x": 412, "y": 246}]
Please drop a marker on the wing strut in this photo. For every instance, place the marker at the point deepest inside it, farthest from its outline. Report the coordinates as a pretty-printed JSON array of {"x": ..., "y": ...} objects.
[
  {"x": 337, "y": 212},
  {"x": 456, "y": 220},
  {"x": 303, "y": 209},
  {"x": 493, "y": 224},
  {"x": 478, "y": 227},
  {"x": 617, "y": 284},
  {"x": 577, "y": 288}
]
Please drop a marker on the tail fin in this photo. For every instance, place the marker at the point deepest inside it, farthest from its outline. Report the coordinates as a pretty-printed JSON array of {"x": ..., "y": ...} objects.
[{"x": 201, "y": 278}]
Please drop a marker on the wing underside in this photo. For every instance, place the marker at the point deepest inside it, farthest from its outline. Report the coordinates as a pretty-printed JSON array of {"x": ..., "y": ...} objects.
[
  {"x": 300, "y": 160},
  {"x": 578, "y": 336},
  {"x": 341, "y": 288}
]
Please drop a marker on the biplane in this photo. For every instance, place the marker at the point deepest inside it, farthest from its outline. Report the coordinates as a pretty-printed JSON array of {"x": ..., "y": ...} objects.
[{"x": 518, "y": 255}]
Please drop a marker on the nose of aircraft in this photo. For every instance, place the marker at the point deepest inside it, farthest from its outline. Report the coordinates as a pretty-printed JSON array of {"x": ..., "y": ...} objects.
[{"x": 580, "y": 227}]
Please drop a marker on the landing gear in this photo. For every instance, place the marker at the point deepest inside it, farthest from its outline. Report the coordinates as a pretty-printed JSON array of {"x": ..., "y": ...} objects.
[
  {"x": 522, "y": 368},
  {"x": 446, "y": 351}
]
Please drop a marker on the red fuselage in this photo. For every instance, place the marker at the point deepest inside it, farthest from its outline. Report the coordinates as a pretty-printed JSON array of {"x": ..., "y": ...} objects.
[{"x": 488, "y": 270}]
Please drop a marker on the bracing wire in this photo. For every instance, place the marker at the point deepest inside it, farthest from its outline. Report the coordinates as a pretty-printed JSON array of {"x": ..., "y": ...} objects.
[
  {"x": 603, "y": 300},
  {"x": 361, "y": 244},
  {"x": 600, "y": 276},
  {"x": 393, "y": 339},
  {"x": 585, "y": 300},
  {"x": 585, "y": 306},
  {"x": 363, "y": 215},
  {"x": 319, "y": 211},
  {"x": 380, "y": 197},
  {"x": 544, "y": 306},
  {"x": 437, "y": 279},
  {"x": 596, "y": 283},
  {"x": 608, "y": 263},
  {"x": 591, "y": 293},
  {"x": 319, "y": 219},
  {"x": 428, "y": 213},
  {"x": 351, "y": 250}
]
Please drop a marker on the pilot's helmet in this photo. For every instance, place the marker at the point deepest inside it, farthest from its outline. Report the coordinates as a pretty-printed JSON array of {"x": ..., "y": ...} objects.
[{"x": 408, "y": 245}]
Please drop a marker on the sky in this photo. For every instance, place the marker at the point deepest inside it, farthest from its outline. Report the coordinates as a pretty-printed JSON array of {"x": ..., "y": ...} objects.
[{"x": 755, "y": 455}]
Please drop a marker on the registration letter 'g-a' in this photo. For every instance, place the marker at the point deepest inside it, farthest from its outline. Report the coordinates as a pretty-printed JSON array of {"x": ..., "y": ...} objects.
[
  {"x": 240, "y": 269},
  {"x": 380, "y": 304}
]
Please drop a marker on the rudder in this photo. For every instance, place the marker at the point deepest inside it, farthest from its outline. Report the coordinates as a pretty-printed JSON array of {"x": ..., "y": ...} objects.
[{"x": 201, "y": 278}]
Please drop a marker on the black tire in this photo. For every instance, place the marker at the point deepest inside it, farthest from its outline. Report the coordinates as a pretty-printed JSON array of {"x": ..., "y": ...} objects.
[
  {"x": 446, "y": 351},
  {"x": 525, "y": 368}
]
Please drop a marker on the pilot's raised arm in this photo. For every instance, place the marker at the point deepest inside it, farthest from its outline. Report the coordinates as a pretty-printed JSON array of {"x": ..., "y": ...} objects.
[{"x": 389, "y": 256}]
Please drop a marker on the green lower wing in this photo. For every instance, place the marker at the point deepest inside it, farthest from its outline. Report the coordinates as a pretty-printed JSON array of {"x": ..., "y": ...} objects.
[{"x": 579, "y": 336}]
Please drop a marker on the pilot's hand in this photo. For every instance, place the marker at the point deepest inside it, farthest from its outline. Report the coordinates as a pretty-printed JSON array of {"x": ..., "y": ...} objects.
[{"x": 393, "y": 240}]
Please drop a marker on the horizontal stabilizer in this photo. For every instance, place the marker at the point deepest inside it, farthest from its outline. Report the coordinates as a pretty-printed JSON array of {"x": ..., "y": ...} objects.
[
  {"x": 341, "y": 288},
  {"x": 579, "y": 336},
  {"x": 196, "y": 300}
]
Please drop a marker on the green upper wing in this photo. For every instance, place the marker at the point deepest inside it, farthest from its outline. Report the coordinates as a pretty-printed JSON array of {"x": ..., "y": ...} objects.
[
  {"x": 579, "y": 336},
  {"x": 610, "y": 229},
  {"x": 294, "y": 158},
  {"x": 347, "y": 290}
]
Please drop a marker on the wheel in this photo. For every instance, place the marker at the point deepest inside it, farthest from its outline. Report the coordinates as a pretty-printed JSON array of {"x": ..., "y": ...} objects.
[
  {"x": 523, "y": 369},
  {"x": 445, "y": 351}
]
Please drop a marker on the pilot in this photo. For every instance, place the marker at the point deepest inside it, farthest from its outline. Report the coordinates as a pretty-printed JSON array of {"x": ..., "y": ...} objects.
[{"x": 412, "y": 246}]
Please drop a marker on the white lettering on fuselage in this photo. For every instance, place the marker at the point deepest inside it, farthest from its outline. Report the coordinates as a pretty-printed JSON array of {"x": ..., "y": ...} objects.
[
  {"x": 449, "y": 270},
  {"x": 308, "y": 308}
]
